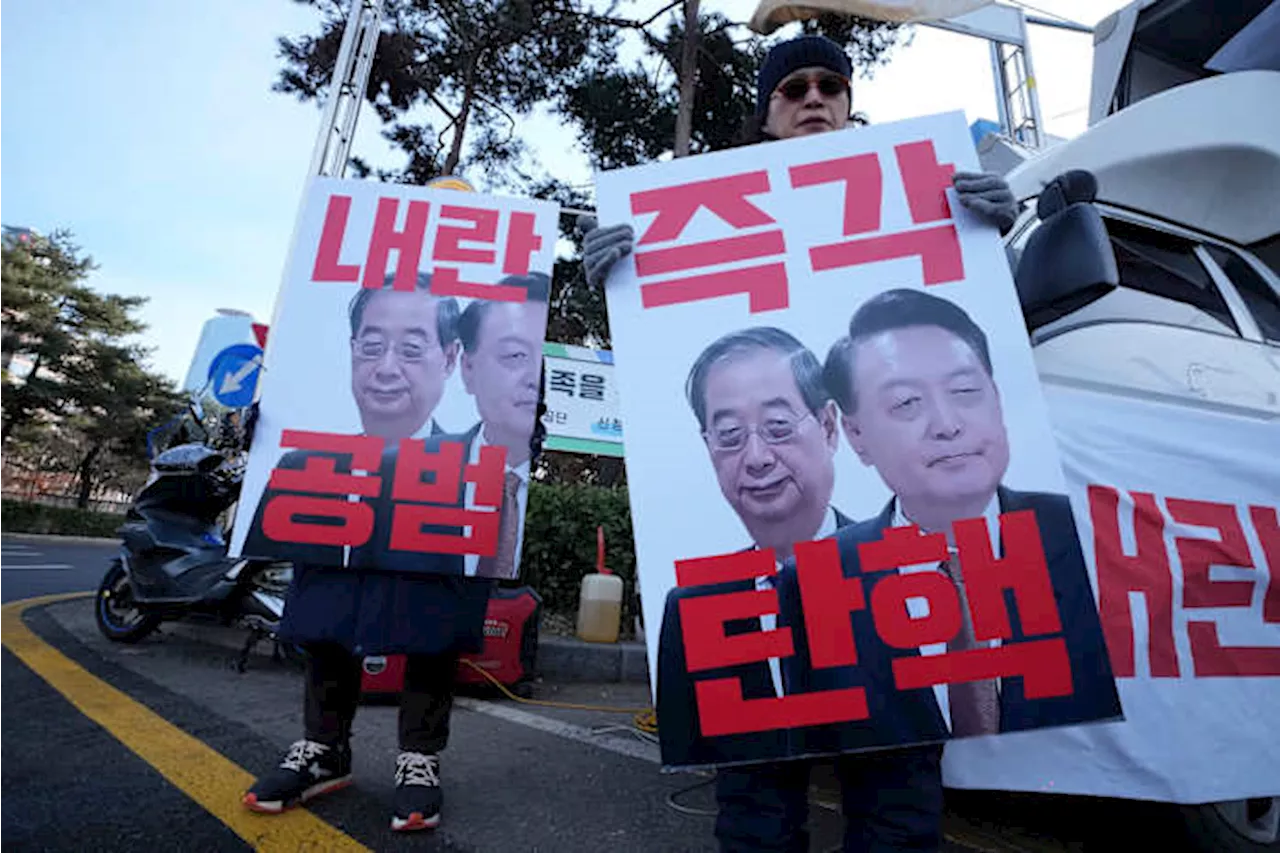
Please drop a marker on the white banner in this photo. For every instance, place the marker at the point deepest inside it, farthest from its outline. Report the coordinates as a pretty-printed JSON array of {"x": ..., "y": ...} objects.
[
  {"x": 1177, "y": 509},
  {"x": 582, "y": 400}
]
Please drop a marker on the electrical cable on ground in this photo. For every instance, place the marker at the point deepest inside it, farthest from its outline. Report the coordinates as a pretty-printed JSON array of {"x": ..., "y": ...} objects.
[
  {"x": 644, "y": 719},
  {"x": 676, "y": 805}
]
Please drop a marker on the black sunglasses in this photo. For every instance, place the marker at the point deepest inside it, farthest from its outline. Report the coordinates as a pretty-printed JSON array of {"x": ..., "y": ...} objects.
[{"x": 829, "y": 85}]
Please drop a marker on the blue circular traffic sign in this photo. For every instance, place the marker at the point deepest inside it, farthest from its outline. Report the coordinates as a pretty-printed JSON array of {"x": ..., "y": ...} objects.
[{"x": 234, "y": 373}]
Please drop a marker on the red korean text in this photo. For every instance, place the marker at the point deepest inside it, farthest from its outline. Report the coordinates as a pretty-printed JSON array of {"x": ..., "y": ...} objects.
[
  {"x": 722, "y": 708},
  {"x": 435, "y": 502},
  {"x": 1040, "y": 659},
  {"x": 933, "y": 238},
  {"x": 828, "y": 598},
  {"x": 457, "y": 234},
  {"x": 755, "y": 251},
  {"x": 325, "y": 501},
  {"x": 1147, "y": 568},
  {"x": 430, "y": 515},
  {"x": 750, "y": 258}
]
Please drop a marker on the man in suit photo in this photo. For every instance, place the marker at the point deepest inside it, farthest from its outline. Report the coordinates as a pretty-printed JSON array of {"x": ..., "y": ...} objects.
[
  {"x": 919, "y": 403},
  {"x": 770, "y": 429},
  {"x": 914, "y": 383},
  {"x": 501, "y": 368},
  {"x": 404, "y": 348}
]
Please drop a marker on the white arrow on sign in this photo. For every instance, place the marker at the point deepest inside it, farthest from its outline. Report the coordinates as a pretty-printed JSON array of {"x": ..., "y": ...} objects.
[{"x": 232, "y": 381}]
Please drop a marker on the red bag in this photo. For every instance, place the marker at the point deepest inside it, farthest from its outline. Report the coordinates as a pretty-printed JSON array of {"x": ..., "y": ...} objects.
[{"x": 510, "y": 651}]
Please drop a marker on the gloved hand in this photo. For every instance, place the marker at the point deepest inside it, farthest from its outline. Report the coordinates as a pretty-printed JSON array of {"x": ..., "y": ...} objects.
[
  {"x": 603, "y": 247},
  {"x": 248, "y": 425},
  {"x": 988, "y": 195},
  {"x": 539, "y": 431}
]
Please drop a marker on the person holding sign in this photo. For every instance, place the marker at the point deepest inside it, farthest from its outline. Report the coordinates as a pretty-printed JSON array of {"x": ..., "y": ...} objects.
[
  {"x": 892, "y": 800},
  {"x": 803, "y": 88},
  {"x": 392, "y": 596}
]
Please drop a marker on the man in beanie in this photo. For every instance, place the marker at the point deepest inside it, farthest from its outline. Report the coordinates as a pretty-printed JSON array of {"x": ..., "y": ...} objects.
[{"x": 892, "y": 799}]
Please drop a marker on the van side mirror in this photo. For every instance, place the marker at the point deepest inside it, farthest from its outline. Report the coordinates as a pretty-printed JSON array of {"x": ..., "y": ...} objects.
[{"x": 1068, "y": 261}]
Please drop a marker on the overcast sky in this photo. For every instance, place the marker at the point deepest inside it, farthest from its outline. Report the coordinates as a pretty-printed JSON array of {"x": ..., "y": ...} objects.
[{"x": 150, "y": 130}]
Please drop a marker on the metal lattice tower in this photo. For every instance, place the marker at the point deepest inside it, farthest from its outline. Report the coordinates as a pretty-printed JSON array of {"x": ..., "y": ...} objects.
[
  {"x": 346, "y": 89},
  {"x": 1016, "y": 99}
]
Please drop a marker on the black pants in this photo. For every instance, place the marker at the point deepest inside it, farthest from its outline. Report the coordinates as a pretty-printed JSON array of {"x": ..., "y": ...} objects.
[
  {"x": 333, "y": 693},
  {"x": 891, "y": 799}
]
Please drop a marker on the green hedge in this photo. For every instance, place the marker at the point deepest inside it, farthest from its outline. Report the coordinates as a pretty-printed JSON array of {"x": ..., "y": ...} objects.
[
  {"x": 560, "y": 544},
  {"x": 23, "y": 517}
]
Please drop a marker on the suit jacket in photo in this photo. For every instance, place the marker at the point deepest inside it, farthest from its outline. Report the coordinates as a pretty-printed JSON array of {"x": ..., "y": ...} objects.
[
  {"x": 410, "y": 561},
  {"x": 678, "y": 730},
  {"x": 914, "y": 716}
]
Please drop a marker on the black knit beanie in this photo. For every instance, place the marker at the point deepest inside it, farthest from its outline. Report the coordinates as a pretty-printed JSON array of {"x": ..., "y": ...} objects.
[{"x": 789, "y": 56}]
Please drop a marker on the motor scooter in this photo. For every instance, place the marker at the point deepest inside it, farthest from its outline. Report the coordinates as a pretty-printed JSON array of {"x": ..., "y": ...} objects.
[{"x": 173, "y": 561}]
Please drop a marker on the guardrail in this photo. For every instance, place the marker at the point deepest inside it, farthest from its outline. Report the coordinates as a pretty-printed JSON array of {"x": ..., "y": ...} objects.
[{"x": 115, "y": 507}]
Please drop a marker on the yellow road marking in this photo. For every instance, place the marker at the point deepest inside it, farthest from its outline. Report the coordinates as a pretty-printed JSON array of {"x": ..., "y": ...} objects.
[{"x": 200, "y": 772}]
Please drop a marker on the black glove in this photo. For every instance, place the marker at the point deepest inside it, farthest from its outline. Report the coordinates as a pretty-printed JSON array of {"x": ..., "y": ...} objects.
[
  {"x": 539, "y": 433},
  {"x": 988, "y": 195},
  {"x": 603, "y": 247},
  {"x": 250, "y": 423}
]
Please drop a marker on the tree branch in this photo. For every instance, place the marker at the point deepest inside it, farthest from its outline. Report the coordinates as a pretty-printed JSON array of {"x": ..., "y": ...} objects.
[
  {"x": 441, "y": 106},
  {"x": 502, "y": 111}
]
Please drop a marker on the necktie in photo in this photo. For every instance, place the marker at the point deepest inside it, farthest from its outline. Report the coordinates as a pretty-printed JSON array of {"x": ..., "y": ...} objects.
[
  {"x": 975, "y": 705},
  {"x": 503, "y": 563}
]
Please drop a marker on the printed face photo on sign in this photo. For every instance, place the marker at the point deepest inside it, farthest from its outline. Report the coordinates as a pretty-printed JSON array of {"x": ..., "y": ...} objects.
[
  {"x": 404, "y": 348},
  {"x": 399, "y": 402},
  {"x": 919, "y": 403},
  {"x": 870, "y": 545},
  {"x": 911, "y": 389},
  {"x": 770, "y": 429}
]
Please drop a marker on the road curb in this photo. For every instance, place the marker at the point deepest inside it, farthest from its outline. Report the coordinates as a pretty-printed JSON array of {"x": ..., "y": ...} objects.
[
  {"x": 568, "y": 659},
  {"x": 75, "y": 540}
]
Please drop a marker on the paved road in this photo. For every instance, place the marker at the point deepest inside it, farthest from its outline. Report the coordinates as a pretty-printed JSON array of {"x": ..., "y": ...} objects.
[
  {"x": 31, "y": 566},
  {"x": 146, "y": 747}
]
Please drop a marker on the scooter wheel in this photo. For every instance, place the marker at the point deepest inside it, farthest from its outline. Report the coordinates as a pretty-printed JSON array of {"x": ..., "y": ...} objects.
[{"x": 118, "y": 617}]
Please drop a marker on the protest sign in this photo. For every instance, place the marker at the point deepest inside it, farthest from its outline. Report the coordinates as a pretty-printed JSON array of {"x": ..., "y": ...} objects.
[
  {"x": 582, "y": 401},
  {"x": 1177, "y": 508},
  {"x": 400, "y": 382},
  {"x": 814, "y": 342}
]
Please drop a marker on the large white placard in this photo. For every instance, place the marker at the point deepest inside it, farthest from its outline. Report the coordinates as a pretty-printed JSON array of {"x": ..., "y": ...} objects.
[
  {"x": 401, "y": 381},
  {"x": 806, "y": 329}
]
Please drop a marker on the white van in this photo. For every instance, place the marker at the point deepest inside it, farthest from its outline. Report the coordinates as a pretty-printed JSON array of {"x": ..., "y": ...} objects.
[{"x": 1165, "y": 294}]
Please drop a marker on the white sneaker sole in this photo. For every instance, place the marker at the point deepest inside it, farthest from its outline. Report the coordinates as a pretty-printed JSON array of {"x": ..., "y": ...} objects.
[
  {"x": 277, "y": 806},
  {"x": 414, "y": 821}
]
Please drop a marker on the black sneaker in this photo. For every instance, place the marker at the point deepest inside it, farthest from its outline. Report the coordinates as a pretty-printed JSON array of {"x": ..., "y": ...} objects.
[
  {"x": 418, "y": 796},
  {"x": 307, "y": 770}
]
